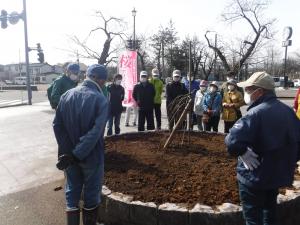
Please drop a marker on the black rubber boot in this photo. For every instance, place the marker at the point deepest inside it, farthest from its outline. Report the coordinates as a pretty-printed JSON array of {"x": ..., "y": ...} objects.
[
  {"x": 73, "y": 217},
  {"x": 89, "y": 217}
]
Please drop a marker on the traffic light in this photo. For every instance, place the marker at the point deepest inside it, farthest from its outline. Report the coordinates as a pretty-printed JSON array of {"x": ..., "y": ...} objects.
[
  {"x": 3, "y": 19},
  {"x": 41, "y": 57}
]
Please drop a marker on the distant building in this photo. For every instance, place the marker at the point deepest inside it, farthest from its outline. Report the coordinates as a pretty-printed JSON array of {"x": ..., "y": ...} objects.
[
  {"x": 38, "y": 71},
  {"x": 41, "y": 73}
]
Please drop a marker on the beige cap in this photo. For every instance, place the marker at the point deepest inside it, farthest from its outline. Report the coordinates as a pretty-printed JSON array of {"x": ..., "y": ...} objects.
[
  {"x": 259, "y": 79},
  {"x": 155, "y": 71},
  {"x": 176, "y": 73}
]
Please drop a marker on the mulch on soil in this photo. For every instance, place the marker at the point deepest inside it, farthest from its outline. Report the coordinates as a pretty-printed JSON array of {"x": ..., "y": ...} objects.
[{"x": 200, "y": 172}]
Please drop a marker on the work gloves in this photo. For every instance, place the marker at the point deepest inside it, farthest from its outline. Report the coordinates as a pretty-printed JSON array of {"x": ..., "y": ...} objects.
[
  {"x": 249, "y": 159},
  {"x": 66, "y": 160}
]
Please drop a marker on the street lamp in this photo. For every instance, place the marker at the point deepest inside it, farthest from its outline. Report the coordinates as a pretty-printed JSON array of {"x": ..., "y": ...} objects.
[{"x": 134, "y": 14}]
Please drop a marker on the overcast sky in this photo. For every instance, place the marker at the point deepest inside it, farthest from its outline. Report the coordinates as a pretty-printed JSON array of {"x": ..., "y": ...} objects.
[{"x": 51, "y": 22}]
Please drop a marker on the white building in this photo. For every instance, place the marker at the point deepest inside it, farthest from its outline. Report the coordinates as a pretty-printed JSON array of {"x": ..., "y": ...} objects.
[{"x": 38, "y": 71}]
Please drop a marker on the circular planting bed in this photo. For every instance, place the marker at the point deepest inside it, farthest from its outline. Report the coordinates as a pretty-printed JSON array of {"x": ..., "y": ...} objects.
[{"x": 193, "y": 181}]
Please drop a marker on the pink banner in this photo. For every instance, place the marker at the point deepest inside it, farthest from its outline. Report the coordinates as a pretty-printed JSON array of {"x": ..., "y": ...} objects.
[{"x": 128, "y": 69}]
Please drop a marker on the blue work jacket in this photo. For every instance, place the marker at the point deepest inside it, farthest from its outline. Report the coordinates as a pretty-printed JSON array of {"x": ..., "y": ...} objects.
[
  {"x": 271, "y": 129},
  {"x": 80, "y": 121}
]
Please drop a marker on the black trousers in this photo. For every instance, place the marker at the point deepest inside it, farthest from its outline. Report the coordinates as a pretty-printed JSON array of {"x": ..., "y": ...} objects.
[
  {"x": 143, "y": 116},
  {"x": 228, "y": 125},
  {"x": 212, "y": 123},
  {"x": 157, "y": 111}
]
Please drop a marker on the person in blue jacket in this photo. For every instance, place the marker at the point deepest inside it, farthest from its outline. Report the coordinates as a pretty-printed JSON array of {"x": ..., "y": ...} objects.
[
  {"x": 212, "y": 108},
  {"x": 266, "y": 142},
  {"x": 79, "y": 125}
]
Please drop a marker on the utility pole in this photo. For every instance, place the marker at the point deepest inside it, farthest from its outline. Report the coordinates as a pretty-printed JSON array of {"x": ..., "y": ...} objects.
[
  {"x": 27, "y": 54},
  {"x": 190, "y": 124},
  {"x": 163, "y": 58}
]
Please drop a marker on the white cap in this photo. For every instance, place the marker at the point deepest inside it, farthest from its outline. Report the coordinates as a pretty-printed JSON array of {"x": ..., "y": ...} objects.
[
  {"x": 143, "y": 73},
  {"x": 155, "y": 72},
  {"x": 176, "y": 73}
]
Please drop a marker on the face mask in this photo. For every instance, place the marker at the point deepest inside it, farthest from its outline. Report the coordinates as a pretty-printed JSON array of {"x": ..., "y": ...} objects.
[
  {"x": 203, "y": 88},
  {"x": 176, "y": 79},
  {"x": 143, "y": 79},
  {"x": 229, "y": 78},
  {"x": 212, "y": 89},
  {"x": 118, "y": 82},
  {"x": 231, "y": 87},
  {"x": 73, "y": 77},
  {"x": 247, "y": 97}
]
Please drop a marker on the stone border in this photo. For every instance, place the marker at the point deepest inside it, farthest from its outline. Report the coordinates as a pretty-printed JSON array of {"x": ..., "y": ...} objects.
[{"x": 117, "y": 208}]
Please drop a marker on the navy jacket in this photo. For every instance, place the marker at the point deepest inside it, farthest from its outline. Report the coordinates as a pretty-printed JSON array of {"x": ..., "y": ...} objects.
[
  {"x": 174, "y": 90},
  {"x": 144, "y": 95},
  {"x": 272, "y": 130},
  {"x": 116, "y": 97},
  {"x": 79, "y": 123}
]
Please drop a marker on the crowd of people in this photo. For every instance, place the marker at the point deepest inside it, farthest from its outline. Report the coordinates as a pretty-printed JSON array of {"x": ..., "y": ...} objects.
[{"x": 266, "y": 140}]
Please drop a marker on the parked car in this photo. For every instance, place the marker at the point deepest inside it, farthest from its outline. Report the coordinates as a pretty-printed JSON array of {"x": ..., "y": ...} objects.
[
  {"x": 8, "y": 82},
  {"x": 296, "y": 82}
]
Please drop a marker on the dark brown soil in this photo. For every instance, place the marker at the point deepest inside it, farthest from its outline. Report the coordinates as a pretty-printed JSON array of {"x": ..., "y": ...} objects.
[{"x": 201, "y": 172}]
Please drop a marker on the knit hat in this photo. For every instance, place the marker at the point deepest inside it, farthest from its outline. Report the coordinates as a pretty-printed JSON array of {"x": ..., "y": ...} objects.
[{"x": 98, "y": 71}]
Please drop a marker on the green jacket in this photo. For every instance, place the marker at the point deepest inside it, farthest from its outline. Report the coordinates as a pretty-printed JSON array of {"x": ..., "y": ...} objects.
[
  {"x": 158, "y": 86},
  {"x": 59, "y": 87}
]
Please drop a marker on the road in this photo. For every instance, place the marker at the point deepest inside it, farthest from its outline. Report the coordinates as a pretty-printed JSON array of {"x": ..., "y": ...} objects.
[{"x": 19, "y": 97}]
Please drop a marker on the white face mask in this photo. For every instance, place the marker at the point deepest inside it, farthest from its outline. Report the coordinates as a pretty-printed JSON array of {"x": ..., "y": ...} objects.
[
  {"x": 247, "y": 97},
  {"x": 176, "y": 79},
  {"x": 143, "y": 79},
  {"x": 118, "y": 82},
  {"x": 212, "y": 89},
  {"x": 231, "y": 87},
  {"x": 229, "y": 78},
  {"x": 203, "y": 88},
  {"x": 73, "y": 77}
]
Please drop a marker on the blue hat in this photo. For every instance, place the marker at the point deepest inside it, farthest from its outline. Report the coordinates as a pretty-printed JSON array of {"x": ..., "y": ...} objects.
[
  {"x": 73, "y": 67},
  {"x": 98, "y": 71}
]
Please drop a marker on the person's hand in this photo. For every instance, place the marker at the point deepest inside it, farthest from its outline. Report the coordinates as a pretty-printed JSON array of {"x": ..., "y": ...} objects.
[
  {"x": 64, "y": 161},
  {"x": 249, "y": 159},
  {"x": 231, "y": 105},
  {"x": 225, "y": 104}
]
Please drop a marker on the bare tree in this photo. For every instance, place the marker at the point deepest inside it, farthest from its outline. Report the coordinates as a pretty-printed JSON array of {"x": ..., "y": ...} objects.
[
  {"x": 112, "y": 28},
  {"x": 251, "y": 12}
]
